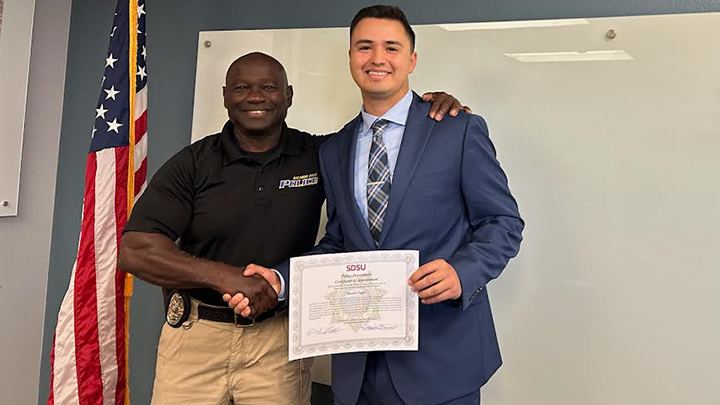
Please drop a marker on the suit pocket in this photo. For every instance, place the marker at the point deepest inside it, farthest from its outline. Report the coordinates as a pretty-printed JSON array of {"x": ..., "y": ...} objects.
[{"x": 430, "y": 178}]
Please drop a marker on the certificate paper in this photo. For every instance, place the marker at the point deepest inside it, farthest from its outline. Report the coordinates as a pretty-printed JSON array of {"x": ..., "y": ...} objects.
[{"x": 352, "y": 302}]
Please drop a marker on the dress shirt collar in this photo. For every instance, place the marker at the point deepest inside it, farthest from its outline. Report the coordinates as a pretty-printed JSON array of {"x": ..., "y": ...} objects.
[{"x": 398, "y": 114}]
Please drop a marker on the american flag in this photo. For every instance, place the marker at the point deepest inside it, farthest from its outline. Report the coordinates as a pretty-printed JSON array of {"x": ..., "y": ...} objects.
[{"x": 89, "y": 355}]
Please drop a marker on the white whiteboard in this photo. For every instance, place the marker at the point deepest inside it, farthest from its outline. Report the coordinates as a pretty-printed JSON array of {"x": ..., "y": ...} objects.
[
  {"x": 15, "y": 39},
  {"x": 613, "y": 299}
]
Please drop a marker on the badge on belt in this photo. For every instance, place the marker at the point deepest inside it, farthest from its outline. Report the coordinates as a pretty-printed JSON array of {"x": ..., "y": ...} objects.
[{"x": 178, "y": 310}]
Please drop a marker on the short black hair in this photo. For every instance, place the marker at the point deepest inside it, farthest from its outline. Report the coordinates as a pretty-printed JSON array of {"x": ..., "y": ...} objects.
[{"x": 385, "y": 12}]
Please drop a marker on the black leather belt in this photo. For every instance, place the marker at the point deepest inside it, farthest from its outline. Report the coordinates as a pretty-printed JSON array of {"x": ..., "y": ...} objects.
[{"x": 227, "y": 315}]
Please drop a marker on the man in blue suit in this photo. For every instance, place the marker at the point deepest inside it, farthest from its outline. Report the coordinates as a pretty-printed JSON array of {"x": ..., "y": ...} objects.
[{"x": 396, "y": 179}]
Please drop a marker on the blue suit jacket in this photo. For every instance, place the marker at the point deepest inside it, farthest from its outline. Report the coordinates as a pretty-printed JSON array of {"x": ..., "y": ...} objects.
[{"x": 450, "y": 200}]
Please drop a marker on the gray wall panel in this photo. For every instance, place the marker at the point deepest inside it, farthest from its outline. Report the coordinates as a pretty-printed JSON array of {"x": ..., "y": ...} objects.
[{"x": 25, "y": 239}]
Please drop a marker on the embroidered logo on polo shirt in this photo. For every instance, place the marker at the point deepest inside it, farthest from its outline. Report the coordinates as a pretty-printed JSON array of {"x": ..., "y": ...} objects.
[{"x": 300, "y": 181}]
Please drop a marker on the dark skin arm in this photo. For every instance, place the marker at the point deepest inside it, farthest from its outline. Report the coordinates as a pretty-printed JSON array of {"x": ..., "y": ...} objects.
[{"x": 156, "y": 259}]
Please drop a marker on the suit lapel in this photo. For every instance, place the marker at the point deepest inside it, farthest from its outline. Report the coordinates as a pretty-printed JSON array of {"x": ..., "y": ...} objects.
[
  {"x": 346, "y": 156},
  {"x": 417, "y": 131}
]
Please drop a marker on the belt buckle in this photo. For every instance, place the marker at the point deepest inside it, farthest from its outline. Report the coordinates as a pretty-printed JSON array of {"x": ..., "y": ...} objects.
[{"x": 239, "y": 325}]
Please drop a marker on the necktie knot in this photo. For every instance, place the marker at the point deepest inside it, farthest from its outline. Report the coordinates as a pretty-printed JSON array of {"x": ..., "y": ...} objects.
[{"x": 379, "y": 126}]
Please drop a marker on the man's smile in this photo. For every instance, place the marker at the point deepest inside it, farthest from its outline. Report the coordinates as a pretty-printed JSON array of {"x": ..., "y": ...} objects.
[
  {"x": 378, "y": 74},
  {"x": 258, "y": 113}
]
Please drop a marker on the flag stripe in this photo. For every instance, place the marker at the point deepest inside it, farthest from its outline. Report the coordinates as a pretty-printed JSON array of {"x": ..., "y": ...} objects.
[
  {"x": 64, "y": 378},
  {"x": 85, "y": 306},
  {"x": 140, "y": 106},
  {"x": 121, "y": 162},
  {"x": 51, "y": 396},
  {"x": 140, "y": 152},
  {"x": 140, "y": 177},
  {"x": 105, "y": 268}
]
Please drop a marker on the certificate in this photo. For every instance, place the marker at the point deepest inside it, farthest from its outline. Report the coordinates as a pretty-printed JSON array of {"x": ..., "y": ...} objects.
[{"x": 352, "y": 302}]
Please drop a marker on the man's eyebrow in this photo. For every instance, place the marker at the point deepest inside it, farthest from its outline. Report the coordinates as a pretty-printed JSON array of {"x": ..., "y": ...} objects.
[
  {"x": 363, "y": 41},
  {"x": 370, "y": 41},
  {"x": 257, "y": 79}
]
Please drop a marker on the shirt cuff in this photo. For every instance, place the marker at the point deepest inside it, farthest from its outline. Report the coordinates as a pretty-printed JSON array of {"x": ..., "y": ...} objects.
[{"x": 281, "y": 295}]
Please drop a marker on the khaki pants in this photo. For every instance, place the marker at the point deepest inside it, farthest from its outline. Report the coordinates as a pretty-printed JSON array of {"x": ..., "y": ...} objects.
[{"x": 213, "y": 363}]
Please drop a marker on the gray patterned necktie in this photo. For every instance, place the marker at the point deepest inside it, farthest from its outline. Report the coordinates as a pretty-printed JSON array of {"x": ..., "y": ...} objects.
[{"x": 378, "y": 181}]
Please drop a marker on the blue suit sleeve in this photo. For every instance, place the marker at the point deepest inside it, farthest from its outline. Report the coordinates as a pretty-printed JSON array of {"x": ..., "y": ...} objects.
[{"x": 492, "y": 212}]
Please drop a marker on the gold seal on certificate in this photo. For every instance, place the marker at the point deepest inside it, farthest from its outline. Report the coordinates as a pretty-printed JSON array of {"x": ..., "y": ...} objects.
[{"x": 352, "y": 302}]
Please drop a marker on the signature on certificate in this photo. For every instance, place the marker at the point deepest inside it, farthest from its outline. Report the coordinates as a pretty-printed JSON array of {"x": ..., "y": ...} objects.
[
  {"x": 369, "y": 327},
  {"x": 323, "y": 330}
]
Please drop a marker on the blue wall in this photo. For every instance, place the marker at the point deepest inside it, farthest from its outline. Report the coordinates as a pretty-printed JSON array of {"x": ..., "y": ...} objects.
[{"x": 172, "y": 43}]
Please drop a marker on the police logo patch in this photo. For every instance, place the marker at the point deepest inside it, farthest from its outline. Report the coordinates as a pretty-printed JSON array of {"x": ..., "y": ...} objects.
[{"x": 300, "y": 181}]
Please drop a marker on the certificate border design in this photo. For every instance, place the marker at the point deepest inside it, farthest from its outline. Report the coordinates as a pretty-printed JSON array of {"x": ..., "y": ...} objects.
[{"x": 302, "y": 263}]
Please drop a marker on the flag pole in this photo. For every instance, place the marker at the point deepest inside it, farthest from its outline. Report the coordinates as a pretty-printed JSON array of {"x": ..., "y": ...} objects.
[{"x": 132, "y": 27}]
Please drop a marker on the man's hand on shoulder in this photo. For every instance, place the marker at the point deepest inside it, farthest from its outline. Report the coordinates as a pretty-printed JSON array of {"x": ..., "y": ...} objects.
[
  {"x": 435, "y": 282},
  {"x": 442, "y": 103}
]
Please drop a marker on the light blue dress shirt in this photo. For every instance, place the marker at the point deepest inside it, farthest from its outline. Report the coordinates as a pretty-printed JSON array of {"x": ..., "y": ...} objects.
[{"x": 392, "y": 136}]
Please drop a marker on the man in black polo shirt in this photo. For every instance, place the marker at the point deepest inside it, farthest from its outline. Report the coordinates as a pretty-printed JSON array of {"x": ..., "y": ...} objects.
[{"x": 250, "y": 194}]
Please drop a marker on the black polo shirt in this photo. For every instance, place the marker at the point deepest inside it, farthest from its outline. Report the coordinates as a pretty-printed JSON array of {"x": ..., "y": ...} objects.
[{"x": 235, "y": 207}]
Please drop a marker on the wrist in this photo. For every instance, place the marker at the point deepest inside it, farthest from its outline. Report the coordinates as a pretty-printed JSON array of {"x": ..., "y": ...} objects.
[{"x": 220, "y": 276}]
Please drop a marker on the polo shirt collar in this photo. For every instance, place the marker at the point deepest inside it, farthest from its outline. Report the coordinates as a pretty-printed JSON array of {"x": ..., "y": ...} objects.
[{"x": 290, "y": 143}]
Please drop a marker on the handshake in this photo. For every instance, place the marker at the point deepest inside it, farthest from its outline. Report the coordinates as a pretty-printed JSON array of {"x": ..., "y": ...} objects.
[{"x": 255, "y": 293}]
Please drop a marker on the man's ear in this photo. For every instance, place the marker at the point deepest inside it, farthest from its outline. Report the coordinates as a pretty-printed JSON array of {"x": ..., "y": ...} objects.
[
  {"x": 413, "y": 61},
  {"x": 224, "y": 94},
  {"x": 289, "y": 95}
]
